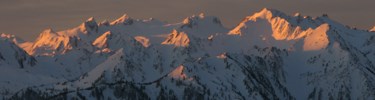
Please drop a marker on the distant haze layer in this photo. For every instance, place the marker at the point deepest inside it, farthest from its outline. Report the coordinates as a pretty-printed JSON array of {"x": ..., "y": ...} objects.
[{"x": 27, "y": 18}]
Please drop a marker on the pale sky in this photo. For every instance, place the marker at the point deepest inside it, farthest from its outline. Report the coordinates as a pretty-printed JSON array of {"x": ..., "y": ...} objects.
[{"x": 27, "y": 18}]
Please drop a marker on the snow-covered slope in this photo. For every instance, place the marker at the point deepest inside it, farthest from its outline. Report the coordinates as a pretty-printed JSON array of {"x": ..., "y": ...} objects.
[
  {"x": 269, "y": 55},
  {"x": 12, "y": 55}
]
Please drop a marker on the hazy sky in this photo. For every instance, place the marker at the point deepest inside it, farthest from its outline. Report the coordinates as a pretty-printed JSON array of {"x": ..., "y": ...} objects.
[{"x": 27, "y": 18}]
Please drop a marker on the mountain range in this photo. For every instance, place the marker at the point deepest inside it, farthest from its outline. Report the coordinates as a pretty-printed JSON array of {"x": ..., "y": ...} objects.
[{"x": 268, "y": 55}]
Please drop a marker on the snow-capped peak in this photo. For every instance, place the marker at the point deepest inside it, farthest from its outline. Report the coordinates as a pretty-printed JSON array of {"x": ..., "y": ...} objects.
[
  {"x": 275, "y": 16},
  {"x": 91, "y": 19},
  {"x": 281, "y": 25},
  {"x": 4, "y": 35},
  {"x": 90, "y": 22},
  {"x": 373, "y": 29},
  {"x": 47, "y": 33},
  {"x": 49, "y": 30},
  {"x": 11, "y": 37},
  {"x": 202, "y": 26},
  {"x": 89, "y": 25},
  {"x": 201, "y": 15},
  {"x": 50, "y": 43},
  {"x": 104, "y": 23},
  {"x": 177, "y": 38},
  {"x": 124, "y": 19},
  {"x": 266, "y": 13},
  {"x": 297, "y": 14},
  {"x": 143, "y": 40},
  {"x": 200, "y": 20}
]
